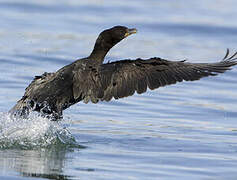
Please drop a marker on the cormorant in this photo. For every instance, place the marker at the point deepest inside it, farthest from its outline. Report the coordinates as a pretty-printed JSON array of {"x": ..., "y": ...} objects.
[{"x": 88, "y": 79}]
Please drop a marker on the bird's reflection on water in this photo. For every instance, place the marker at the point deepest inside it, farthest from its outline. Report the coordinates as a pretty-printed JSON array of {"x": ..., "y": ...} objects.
[
  {"x": 48, "y": 176},
  {"x": 44, "y": 163}
]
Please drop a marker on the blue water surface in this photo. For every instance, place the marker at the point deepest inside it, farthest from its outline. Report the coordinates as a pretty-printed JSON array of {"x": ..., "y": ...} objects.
[{"x": 183, "y": 131}]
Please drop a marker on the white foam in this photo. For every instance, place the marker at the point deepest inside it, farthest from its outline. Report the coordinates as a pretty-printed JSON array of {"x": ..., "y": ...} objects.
[{"x": 32, "y": 132}]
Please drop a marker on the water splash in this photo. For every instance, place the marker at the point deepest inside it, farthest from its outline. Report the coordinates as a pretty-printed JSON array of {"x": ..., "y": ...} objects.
[{"x": 33, "y": 132}]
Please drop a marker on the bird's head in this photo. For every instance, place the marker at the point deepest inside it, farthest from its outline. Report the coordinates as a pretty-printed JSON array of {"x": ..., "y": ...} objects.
[
  {"x": 110, "y": 37},
  {"x": 115, "y": 34}
]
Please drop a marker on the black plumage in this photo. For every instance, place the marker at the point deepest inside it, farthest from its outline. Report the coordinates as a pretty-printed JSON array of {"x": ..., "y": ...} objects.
[{"x": 88, "y": 79}]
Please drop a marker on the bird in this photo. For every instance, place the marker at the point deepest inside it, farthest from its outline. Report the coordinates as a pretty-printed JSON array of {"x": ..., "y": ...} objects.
[{"x": 90, "y": 79}]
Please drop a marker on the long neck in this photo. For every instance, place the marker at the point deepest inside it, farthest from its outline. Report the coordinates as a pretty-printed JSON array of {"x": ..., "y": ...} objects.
[
  {"x": 98, "y": 55},
  {"x": 100, "y": 50}
]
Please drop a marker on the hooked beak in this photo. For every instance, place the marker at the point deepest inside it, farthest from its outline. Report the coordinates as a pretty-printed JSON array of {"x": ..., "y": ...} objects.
[{"x": 130, "y": 31}]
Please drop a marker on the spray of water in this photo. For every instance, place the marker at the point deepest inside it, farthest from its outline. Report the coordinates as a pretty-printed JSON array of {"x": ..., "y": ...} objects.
[{"x": 34, "y": 132}]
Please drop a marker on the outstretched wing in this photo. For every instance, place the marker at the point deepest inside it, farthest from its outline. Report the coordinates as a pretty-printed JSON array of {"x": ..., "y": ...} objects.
[{"x": 124, "y": 78}]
